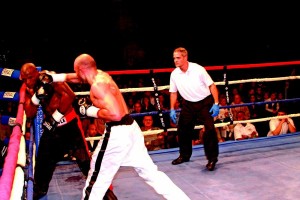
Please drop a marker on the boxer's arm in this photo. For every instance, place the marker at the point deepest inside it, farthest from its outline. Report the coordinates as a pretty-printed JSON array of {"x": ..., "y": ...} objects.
[
  {"x": 62, "y": 77},
  {"x": 72, "y": 78},
  {"x": 29, "y": 108},
  {"x": 105, "y": 100}
]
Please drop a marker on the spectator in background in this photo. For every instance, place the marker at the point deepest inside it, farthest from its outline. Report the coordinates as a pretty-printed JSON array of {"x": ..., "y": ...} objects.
[
  {"x": 281, "y": 126},
  {"x": 259, "y": 95},
  {"x": 198, "y": 137},
  {"x": 266, "y": 95},
  {"x": 10, "y": 108},
  {"x": 272, "y": 108},
  {"x": 251, "y": 92},
  {"x": 5, "y": 129},
  {"x": 152, "y": 141},
  {"x": 146, "y": 105},
  {"x": 100, "y": 125},
  {"x": 92, "y": 132},
  {"x": 282, "y": 104},
  {"x": 234, "y": 91},
  {"x": 150, "y": 96},
  {"x": 256, "y": 111},
  {"x": 130, "y": 104},
  {"x": 163, "y": 103},
  {"x": 234, "y": 110},
  {"x": 137, "y": 109},
  {"x": 223, "y": 132},
  {"x": 244, "y": 130}
]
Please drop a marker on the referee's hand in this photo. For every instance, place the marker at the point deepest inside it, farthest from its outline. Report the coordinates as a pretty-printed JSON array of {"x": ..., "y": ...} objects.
[
  {"x": 215, "y": 109},
  {"x": 173, "y": 116}
]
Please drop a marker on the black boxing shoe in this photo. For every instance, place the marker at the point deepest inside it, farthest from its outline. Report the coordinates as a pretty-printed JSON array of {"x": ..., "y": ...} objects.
[
  {"x": 210, "y": 166},
  {"x": 180, "y": 160},
  {"x": 38, "y": 195}
]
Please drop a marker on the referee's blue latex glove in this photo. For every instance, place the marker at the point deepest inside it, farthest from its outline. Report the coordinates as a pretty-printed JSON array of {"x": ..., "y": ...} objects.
[
  {"x": 173, "y": 116},
  {"x": 215, "y": 109}
]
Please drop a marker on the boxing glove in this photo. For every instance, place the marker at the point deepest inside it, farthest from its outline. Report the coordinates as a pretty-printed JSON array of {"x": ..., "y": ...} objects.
[
  {"x": 86, "y": 108},
  {"x": 51, "y": 122},
  {"x": 45, "y": 78},
  {"x": 43, "y": 88},
  {"x": 42, "y": 92}
]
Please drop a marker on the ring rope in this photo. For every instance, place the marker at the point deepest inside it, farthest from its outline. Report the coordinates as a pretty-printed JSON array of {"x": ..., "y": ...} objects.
[{"x": 217, "y": 83}]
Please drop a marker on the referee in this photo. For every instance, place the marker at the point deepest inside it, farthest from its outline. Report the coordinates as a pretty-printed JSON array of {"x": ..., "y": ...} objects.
[{"x": 200, "y": 103}]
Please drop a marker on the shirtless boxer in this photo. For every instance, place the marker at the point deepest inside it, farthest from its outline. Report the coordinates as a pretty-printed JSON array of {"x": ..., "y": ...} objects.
[
  {"x": 123, "y": 143},
  {"x": 61, "y": 127}
]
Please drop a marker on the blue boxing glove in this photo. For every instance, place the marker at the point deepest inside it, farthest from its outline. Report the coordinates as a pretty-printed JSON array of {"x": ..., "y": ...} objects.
[
  {"x": 173, "y": 116},
  {"x": 215, "y": 109}
]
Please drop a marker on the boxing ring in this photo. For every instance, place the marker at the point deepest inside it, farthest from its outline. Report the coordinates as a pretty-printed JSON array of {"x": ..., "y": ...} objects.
[{"x": 246, "y": 169}]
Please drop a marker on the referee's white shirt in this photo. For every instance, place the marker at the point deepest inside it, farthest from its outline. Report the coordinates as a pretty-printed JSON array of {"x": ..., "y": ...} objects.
[{"x": 193, "y": 85}]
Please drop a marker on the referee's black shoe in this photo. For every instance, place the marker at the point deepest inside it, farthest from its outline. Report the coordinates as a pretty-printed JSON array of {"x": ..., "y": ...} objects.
[
  {"x": 180, "y": 160},
  {"x": 210, "y": 166}
]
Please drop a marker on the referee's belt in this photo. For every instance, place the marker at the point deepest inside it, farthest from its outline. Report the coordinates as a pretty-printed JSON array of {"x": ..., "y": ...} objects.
[
  {"x": 126, "y": 120},
  {"x": 67, "y": 118}
]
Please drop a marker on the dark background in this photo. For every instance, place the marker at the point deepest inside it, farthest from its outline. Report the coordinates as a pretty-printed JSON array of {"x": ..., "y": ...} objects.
[
  {"x": 135, "y": 34},
  {"x": 142, "y": 34}
]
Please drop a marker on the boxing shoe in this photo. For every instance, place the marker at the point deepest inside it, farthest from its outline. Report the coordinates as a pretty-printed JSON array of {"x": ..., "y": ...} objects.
[
  {"x": 210, "y": 166},
  {"x": 180, "y": 160},
  {"x": 38, "y": 195}
]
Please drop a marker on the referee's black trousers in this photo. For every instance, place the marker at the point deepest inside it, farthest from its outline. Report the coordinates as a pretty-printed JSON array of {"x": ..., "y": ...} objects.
[{"x": 191, "y": 113}]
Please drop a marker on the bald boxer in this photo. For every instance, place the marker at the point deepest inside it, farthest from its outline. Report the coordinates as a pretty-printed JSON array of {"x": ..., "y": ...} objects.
[
  {"x": 62, "y": 130},
  {"x": 123, "y": 143}
]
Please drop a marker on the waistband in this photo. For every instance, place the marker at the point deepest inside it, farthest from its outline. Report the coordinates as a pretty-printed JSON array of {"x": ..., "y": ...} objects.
[
  {"x": 191, "y": 102},
  {"x": 67, "y": 118},
  {"x": 126, "y": 120}
]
